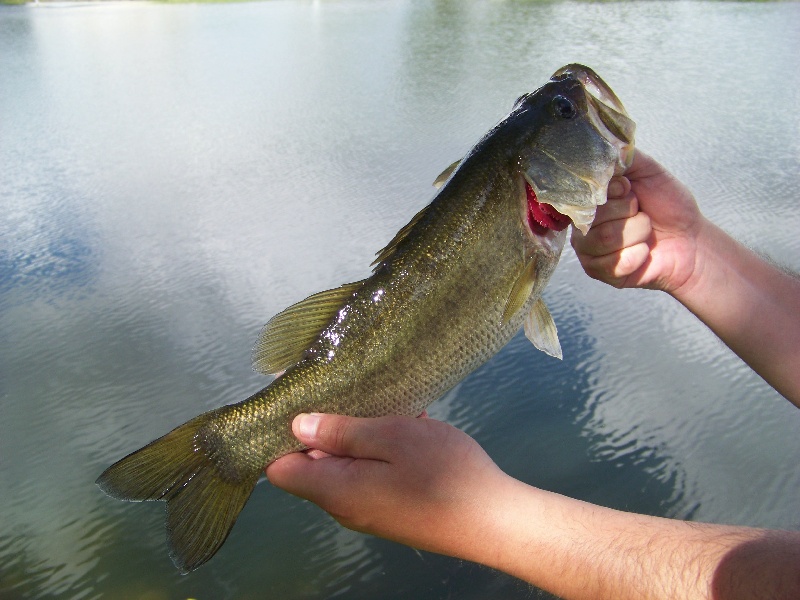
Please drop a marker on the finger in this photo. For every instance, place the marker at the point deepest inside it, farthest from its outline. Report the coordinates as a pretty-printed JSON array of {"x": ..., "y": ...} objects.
[
  {"x": 616, "y": 208},
  {"x": 613, "y": 236},
  {"x": 643, "y": 166},
  {"x": 616, "y": 268},
  {"x": 315, "y": 454},
  {"x": 342, "y": 436},
  {"x": 303, "y": 476},
  {"x": 618, "y": 187},
  {"x": 282, "y": 471}
]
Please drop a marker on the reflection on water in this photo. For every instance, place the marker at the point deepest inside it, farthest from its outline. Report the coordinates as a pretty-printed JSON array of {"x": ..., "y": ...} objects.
[{"x": 172, "y": 176}]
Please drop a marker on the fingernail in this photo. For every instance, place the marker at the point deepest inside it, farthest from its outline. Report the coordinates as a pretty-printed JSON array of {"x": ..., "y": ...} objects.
[
  {"x": 307, "y": 425},
  {"x": 616, "y": 189}
]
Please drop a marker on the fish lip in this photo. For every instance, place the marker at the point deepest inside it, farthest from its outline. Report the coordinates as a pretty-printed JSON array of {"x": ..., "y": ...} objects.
[{"x": 592, "y": 83}]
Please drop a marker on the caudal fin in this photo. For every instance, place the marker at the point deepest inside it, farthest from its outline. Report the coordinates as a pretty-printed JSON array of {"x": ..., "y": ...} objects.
[{"x": 202, "y": 505}]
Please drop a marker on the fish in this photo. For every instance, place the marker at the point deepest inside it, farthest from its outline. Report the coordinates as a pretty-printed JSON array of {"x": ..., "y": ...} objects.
[{"x": 445, "y": 294}]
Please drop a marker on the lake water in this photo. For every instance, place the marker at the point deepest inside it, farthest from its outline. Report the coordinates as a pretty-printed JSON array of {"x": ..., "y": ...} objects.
[{"x": 173, "y": 175}]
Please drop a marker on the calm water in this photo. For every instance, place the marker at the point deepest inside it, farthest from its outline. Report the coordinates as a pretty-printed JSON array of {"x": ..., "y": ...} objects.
[{"x": 172, "y": 176}]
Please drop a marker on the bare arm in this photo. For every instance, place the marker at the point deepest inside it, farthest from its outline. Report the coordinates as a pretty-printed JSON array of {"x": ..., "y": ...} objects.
[
  {"x": 426, "y": 484},
  {"x": 651, "y": 234}
]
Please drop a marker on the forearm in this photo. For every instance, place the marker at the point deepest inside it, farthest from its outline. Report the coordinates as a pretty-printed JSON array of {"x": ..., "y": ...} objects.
[
  {"x": 424, "y": 483},
  {"x": 580, "y": 551},
  {"x": 753, "y": 306}
]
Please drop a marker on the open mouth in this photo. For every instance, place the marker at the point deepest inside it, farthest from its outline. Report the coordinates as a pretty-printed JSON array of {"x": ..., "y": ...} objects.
[
  {"x": 543, "y": 217},
  {"x": 564, "y": 190}
]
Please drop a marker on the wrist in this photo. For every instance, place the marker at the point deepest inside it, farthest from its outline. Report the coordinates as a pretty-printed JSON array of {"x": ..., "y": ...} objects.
[
  {"x": 481, "y": 532},
  {"x": 521, "y": 530},
  {"x": 750, "y": 304},
  {"x": 701, "y": 252}
]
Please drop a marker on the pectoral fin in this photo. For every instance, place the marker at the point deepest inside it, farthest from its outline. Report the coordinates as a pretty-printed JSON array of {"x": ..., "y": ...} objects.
[
  {"x": 289, "y": 333},
  {"x": 541, "y": 330},
  {"x": 521, "y": 291}
]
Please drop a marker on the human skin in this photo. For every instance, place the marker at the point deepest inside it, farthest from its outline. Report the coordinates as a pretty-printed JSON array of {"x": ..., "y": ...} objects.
[
  {"x": 426, "y": 484},
  {"x": 651, "y": 234}
]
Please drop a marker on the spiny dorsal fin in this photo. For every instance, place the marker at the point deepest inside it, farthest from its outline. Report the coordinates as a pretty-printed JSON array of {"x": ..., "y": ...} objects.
[
  {"x": 541, "y": 330},
  {"x": 398, "y": 237},
  {"x": 521, "y": 291},
  {"x": 445, "y": 175},
  {"x": 289, "y": 333},
  {"x": 386, "y": 252}
]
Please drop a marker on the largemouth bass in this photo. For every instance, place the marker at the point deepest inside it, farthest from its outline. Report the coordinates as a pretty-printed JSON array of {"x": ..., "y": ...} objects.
[{"x": 450, "y": 290}]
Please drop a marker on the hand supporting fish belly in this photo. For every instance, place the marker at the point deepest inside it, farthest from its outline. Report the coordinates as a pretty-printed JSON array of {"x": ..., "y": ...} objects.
[{"x": 449, "y": 291}]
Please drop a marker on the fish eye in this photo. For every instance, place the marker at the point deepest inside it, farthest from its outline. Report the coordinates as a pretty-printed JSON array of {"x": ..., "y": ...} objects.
[{"x": 564, "y": 107}]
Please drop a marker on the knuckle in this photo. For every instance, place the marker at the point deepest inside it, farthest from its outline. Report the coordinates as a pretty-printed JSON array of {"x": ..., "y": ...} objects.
[
  {"x": 608, "y": 238},
  {"x": 627, "y": 264},
  {"x": 597, "y": 269},
  {"x": 339, "y": 433},
  {"x": 606, "y": 269}
]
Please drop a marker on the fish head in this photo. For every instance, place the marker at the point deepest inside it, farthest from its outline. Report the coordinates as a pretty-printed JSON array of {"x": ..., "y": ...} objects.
[{"x": 575, "y": 135}]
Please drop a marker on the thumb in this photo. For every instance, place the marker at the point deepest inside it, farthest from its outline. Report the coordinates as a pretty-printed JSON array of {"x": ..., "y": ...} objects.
[{"x": 330, "y": 481}]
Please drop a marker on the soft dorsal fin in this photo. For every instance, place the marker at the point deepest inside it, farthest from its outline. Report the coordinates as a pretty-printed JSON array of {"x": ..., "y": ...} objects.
[
  {"x": 541, "y": 330},
  {"x": 387, "y": 251},
  {"x": 289, "y": 333},
  {"x": 521, "y": 291},
  {"x": 445, "y": 175}
]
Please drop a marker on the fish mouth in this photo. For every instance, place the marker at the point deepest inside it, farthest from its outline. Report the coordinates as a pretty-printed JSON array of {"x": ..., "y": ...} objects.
[
  {"x": 578, "y": 202},
  {"x": 543, "y": 217}
]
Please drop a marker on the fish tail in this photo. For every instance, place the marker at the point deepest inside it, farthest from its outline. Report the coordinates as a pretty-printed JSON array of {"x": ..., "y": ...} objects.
[{"x": 202, "y": 503}]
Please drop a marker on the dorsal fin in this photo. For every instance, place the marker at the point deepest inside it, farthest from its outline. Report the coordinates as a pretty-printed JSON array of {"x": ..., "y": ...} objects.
[
  {"x": 389, "y": 249},
  {"x": 288, "y": 334},
  {"x": 445, "y": 175},
  {"x": 399, "y": 237}
]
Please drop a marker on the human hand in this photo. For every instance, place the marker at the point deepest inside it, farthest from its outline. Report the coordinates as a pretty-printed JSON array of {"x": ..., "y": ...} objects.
[
  {"x": 420, "y": 482},
  {"x": 424, "y": 483},
  {"x": 647, "y": 234}
]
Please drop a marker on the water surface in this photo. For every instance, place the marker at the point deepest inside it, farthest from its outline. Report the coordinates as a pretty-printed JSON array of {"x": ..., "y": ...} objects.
[{"x": 172, "y": 176}]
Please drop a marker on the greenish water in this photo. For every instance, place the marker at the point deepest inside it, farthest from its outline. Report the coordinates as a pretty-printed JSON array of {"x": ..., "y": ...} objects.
[{"x": 172, "y": 176}]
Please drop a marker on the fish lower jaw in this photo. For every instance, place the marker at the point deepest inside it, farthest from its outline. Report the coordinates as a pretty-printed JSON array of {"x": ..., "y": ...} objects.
[{"x": 543, "y": 218}]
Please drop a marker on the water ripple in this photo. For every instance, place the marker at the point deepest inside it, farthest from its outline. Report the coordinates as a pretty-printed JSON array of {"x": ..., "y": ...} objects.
[{"x": 146, "y": 237}]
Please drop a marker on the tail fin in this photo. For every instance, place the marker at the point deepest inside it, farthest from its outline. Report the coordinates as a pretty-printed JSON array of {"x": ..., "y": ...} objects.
[{"x": 202, "y": 505}]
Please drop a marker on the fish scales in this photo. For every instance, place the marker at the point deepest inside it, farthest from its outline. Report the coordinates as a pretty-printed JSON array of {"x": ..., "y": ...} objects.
[
  {"x": 448, "y": 292},
  {"x": 392, "y": 376}
]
